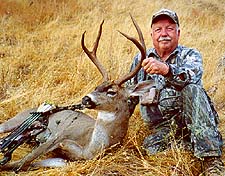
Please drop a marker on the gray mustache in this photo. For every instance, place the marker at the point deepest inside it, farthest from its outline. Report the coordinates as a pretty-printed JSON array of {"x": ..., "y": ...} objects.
[{"x": 164, "y": 39}]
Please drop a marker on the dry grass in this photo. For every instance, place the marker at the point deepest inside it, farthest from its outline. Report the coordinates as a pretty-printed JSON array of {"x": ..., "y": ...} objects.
[{"x": 41, "y": 59}]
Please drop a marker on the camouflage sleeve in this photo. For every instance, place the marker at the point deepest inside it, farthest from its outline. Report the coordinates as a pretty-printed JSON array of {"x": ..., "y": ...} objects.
[{"x": 189, "y": 71}]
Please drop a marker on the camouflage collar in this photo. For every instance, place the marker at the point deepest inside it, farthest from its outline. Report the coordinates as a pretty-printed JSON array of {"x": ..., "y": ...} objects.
[{"x": 152, "y": 52}]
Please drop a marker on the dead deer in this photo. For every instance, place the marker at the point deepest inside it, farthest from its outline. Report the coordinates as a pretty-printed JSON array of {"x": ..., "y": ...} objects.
[{"x": 77, "y": 135}]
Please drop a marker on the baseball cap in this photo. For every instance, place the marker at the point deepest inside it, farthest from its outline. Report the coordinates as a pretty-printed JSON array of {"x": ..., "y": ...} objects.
[{"x": 171, "y": 14}]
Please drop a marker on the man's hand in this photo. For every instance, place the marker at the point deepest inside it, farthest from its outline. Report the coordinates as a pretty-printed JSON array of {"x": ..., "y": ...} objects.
[{"x": 153, "y": 66}]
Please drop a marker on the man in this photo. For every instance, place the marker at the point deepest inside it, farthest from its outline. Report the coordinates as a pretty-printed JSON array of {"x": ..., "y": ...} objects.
[{"x": 180, "y": 108}]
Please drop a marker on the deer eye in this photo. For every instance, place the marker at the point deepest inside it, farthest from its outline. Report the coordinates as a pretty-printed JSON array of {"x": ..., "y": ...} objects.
[{"x": 111, "y": 93}]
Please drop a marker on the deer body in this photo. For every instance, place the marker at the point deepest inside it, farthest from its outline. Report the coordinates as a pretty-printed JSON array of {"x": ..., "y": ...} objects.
[
  {"x": 74, "y": 133},
  {"x": 77, "y": 135}
]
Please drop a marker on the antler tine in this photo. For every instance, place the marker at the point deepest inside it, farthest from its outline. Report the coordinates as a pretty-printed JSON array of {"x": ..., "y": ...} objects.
[
  {"x": 92, "y": 54},
  {"x": 141, "y": 38},
  {"x": 141, "y": 46}
]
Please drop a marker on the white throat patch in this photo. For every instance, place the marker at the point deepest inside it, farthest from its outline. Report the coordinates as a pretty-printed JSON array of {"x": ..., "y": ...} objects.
[{"x": 106, "y": 116}]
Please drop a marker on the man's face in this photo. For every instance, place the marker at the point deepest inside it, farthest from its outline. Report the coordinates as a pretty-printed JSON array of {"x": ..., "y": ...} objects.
[{"x": 165, "y": 35}]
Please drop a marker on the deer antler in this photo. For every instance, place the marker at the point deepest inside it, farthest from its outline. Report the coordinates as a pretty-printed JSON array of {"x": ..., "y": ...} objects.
[
  {"x": 141, "y": 46},
  {"x": 92, "y": 54}
]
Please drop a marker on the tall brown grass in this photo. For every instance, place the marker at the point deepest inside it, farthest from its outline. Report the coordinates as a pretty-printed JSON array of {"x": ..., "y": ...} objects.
[{"x": 41, "y": 59}]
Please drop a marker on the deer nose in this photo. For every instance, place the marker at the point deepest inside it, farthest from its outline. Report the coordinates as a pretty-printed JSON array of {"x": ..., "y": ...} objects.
[{"x": 88, "y": 103}]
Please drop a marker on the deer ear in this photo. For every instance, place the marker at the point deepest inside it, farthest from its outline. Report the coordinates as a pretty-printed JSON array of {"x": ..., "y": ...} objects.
[{"x": 142, "y": 87}]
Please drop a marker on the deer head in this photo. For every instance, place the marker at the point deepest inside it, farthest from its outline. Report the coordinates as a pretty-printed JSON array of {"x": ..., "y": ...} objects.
[{"x": 113, "y": 94}]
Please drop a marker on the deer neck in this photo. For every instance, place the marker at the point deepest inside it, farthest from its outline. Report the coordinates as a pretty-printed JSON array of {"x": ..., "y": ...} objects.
[{"x": 115, "y": 125}]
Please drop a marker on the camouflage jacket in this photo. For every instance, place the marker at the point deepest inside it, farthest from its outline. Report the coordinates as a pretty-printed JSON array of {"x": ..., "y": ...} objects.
[{"x": 185, "y": 68}]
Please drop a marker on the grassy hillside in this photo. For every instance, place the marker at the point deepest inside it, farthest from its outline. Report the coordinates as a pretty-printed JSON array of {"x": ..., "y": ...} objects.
[{"x": 41, "y": 59}]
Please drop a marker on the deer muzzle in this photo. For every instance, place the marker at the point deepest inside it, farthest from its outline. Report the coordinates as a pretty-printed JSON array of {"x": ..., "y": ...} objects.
[{"x": 88, "y": 103}]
